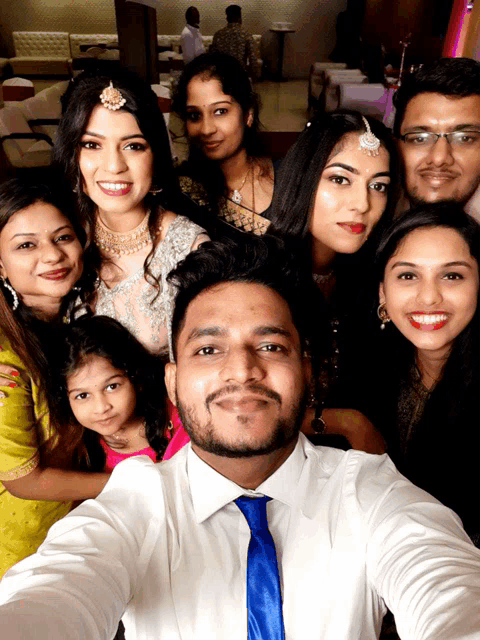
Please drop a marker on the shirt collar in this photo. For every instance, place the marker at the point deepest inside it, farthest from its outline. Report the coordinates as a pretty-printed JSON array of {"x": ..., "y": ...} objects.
[{"x": 211, "y": 491}]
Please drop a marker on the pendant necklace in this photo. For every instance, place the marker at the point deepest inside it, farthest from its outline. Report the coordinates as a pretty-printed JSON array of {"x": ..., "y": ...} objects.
[
  {"x": 236, "y": 195},
  {"x": 121, "y": 442}
]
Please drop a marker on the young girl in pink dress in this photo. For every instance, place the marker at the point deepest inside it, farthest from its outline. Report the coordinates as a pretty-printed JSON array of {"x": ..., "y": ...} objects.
[{"x": 113, "y": 387}]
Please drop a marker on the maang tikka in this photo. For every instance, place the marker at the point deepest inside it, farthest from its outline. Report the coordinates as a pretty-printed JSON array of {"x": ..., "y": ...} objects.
[
  {"x": 112, "y": 98},
  {"x": 369, "y": 143}
]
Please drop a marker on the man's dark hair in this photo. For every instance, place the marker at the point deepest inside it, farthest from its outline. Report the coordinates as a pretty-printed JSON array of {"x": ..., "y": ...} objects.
[
  {"x": 455, "y": 77},
  {"x": 234, "y": 12},
  {"x": 190, "y": 13},
  {"x": 264, "y": 261}
]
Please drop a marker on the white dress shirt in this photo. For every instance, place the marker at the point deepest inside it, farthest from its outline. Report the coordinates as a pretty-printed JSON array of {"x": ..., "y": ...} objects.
[
  {"x": 192, "y": 43},
  {"x": 165, "y": 544}
]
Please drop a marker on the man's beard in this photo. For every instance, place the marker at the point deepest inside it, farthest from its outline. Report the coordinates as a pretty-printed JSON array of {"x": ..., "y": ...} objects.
[
  {"x": 286, "y": 430},
  {"x": 416, "y": 199}
]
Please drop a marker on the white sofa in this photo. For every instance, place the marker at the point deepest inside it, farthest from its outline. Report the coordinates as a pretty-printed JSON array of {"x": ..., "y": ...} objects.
[
  {"x": 41, "y": 53},
  {"x": 51, "y": 52},
  {"x": 28, "y": 127}
]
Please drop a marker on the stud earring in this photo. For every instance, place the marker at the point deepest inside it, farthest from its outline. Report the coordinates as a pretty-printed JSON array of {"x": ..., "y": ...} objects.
[
  {"x": 382, "y": 313},
  {"x": 8, "y": 286}
]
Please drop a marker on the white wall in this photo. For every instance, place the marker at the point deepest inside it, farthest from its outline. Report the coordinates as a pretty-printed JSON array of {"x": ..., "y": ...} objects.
[{"x": 314, "y": 21}]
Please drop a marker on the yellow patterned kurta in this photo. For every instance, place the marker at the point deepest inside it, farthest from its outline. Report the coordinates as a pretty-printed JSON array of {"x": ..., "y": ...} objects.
[{"x": 24, "y": 428}]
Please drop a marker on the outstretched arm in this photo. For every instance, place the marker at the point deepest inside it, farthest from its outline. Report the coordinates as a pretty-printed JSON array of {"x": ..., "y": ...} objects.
[{"x": 424, "y": 566}]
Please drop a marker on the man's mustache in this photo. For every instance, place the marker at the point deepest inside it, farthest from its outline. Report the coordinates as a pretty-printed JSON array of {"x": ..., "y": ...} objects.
[{"x": 255, "y": 387}]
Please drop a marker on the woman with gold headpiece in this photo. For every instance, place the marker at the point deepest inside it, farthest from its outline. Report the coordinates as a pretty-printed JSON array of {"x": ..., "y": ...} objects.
[
  {"x": 333, "y": 188},
  {"x": 113, "y": 146}
]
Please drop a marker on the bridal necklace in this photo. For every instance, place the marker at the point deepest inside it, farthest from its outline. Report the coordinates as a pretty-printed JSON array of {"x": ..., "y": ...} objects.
[{"x": 118, "y": 243}]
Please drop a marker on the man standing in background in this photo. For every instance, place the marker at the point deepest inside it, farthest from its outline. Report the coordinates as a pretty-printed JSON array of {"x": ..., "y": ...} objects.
[
  {"x": 235, "y": 40},
  {"x": 191, "y": 40}
]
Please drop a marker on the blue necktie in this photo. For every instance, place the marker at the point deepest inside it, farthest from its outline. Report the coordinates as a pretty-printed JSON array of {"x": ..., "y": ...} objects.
[{"x": 264, "y": 600}]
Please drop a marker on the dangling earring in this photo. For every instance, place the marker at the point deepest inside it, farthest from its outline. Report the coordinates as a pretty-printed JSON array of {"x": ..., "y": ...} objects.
[
  {"x": 8, "y": 286},
  {"x": 382, "y": 313}
]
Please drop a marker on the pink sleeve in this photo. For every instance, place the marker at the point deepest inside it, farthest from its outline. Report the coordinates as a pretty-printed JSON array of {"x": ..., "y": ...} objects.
[{"x": 179, "y": 435}]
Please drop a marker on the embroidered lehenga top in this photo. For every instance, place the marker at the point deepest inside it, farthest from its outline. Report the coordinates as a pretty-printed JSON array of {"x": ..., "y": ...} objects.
[{"x": 139, "y": 306}]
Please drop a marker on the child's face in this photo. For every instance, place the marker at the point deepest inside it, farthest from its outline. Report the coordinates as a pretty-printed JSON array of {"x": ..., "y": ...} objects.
[{"x": 102, "y": 398}]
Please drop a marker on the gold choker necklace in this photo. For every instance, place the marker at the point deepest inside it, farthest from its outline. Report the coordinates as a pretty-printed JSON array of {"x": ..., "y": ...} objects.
[{"x": 118, "y": 243}]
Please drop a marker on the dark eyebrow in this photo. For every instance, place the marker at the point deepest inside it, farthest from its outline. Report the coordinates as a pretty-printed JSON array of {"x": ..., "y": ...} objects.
[
  {"x": 455, "y": 263},
  {"x": 355, "y": 171},
  {"x": 428, "y": 129},
  {"x": 32, "y": 235},
  {"x": 343, "y": 166},
  {"x": 212, "y": 104},
  {"x": 470, "y": 125},
  {"x": 106, "y": 382},
  {"x": 269, "y": 330},
  {"x": 266, "y": 330},
  {"x": 98, "y": 135},
  {"x": 206, "y": 331}
]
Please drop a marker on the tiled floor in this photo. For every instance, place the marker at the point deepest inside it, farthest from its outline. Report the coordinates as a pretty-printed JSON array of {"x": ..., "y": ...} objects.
[{"x": 283, "y": 105}]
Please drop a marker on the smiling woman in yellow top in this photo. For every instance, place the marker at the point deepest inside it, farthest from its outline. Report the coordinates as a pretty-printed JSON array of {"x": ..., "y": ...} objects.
[{"x": 40, "y": 264}]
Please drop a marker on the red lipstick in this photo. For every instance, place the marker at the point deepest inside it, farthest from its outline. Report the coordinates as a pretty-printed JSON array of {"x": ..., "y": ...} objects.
[
  {"x": 355, "y": 228},
  {"x": 57, "y": 274}
]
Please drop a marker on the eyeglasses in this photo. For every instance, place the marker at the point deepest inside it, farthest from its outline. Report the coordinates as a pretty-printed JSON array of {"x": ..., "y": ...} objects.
[{"x": 428, "y": 139}]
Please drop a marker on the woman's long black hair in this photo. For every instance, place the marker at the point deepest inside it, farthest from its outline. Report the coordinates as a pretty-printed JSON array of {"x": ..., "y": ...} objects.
[
  {"x": 442, "y": 455},
  {"x": 104, "y": 337}
]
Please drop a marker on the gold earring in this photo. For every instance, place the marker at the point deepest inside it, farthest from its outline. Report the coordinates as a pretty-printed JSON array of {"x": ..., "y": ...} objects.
[{"x": 382, "y": 313}]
